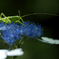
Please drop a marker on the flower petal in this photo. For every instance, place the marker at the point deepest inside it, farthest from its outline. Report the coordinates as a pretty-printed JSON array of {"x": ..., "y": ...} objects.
[
  {"x": 3, "y": 53},
  {"x": 16, "y": 52}
]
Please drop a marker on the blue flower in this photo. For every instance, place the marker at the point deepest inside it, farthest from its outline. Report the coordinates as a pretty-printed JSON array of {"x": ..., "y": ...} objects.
[
  {"x": 13, "y": 31},
  {"x": 10, "y": 34},
  {"x": 31, "y": 30}
]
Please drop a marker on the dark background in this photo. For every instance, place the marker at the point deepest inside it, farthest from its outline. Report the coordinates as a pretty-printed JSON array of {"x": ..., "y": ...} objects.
[{"x": 35, "y": 49}]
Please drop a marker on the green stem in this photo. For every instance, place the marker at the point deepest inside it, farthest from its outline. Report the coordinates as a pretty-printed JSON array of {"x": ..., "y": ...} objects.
[
  {"x": 20, "y": 43},
  {"x": 12, "y": 57}
]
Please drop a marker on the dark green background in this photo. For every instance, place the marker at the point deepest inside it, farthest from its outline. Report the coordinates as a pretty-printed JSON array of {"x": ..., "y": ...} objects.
[{"x": 35, "y": 49}]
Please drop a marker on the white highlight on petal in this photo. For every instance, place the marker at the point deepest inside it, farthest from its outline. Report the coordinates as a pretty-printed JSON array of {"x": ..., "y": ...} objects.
[
  {"x": 49, "y": 40},
  {"x": 56, "y": 41},
  {"x": 16, "y": 52},
  {"x": 3, "y": 53}
]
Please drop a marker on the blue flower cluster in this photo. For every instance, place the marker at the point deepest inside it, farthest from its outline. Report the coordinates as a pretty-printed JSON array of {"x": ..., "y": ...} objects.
[{"x": 13, "y": 31}]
